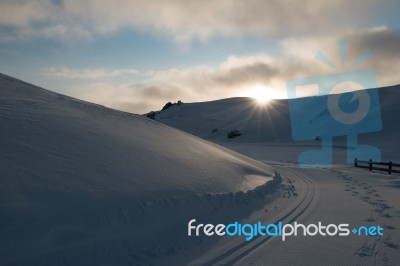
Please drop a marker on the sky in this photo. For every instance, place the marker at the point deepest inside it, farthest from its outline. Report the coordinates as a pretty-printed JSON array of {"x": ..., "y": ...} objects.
[{"x": 136, "y": 55}]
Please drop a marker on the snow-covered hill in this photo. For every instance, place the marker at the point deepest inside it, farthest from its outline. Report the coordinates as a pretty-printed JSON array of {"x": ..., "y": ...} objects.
[
  {"x": 214, "y": 120},
  {"x": 267, "y": 123},
  {"x": 83, "y": 184}
]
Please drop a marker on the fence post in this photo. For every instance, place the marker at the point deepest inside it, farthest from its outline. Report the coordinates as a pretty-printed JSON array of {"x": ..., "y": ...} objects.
[
  {"x": 355, "y": 162},
  {"x": 370, "y": 164},
  {"x": 390, "y": 168}
]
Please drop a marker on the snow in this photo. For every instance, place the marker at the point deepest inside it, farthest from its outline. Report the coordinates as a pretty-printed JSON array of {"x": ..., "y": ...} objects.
[
  {"x": 270, "y": 123},
  {"x": 256, "y": 123},
  {"x": 81, "y": 183},
  {"x": 341, "y": 194}
]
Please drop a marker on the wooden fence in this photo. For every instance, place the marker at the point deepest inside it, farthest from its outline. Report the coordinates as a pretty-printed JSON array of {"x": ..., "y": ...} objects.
[{"x": 370, "y": 166}]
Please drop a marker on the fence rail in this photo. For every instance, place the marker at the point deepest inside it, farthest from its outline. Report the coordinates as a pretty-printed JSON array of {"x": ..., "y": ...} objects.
[{"x": 370, "y": 166}]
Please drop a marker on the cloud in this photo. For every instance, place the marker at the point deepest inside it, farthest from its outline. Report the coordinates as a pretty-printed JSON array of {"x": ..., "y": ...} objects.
[
  {"x": 384, "y": 44},
  {"x": 312, "y": 25},
  {"x": 238, "y": 75},
  {"x": 87, "y": 73},
  {"x": 20, "y": 20},
  {"x": 184, "y": 21},
  {"x": 128, "y": 97}
]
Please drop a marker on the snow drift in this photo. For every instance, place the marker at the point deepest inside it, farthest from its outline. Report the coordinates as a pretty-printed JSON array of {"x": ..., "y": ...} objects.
[{"x": 84, "y": 184}]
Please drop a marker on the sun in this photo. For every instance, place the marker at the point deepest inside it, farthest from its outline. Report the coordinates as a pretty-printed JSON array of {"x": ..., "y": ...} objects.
[{"x": 262, "y": 94}]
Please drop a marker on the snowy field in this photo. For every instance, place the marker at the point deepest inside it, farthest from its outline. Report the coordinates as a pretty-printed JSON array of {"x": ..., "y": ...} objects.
[{"x": 82, "y": 184}]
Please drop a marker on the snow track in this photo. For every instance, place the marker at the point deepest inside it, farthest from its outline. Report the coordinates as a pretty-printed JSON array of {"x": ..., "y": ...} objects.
[{"x": 290, "y": 215}]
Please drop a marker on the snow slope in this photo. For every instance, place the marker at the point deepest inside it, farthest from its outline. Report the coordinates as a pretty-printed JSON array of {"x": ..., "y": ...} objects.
[
  {"x": 83, "y": 184},
  {"x": 269, "y": 123},
  {"x": 255, "y": 122}
]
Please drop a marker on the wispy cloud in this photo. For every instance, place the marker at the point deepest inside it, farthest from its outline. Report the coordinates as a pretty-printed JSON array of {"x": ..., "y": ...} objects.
[
  {"x": 312, "y": 25},
  {"x": 187, "y": 20},
  {"x": 237, "y": 75},
  {"x": 87, "y": 73},
  {"x": 130, "y": 97},
  {"x": 20, "y": 20}
]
